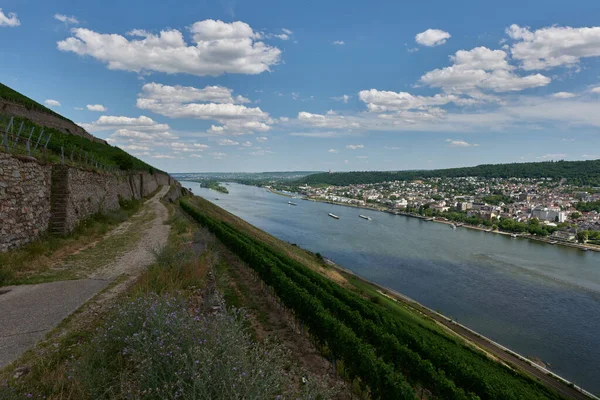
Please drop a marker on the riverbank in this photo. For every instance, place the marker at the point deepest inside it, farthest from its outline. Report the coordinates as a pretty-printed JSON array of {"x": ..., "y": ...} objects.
[
  {"x": 489, "y": 346},
  {"x": 279, "y": 193},
  {"x": 550, "y": 241}
]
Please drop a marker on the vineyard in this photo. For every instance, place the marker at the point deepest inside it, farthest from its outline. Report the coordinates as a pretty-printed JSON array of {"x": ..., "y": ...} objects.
[
  {"x": 21, "y": 136},
  {"x": 391, "y": 354}
]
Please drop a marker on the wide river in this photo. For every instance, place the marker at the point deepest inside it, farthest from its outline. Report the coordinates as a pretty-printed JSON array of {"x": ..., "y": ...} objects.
[{"x": 537, "y": 299}]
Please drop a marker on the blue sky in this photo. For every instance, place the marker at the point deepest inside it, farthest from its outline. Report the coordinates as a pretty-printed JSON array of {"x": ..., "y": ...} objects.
[{"x": 281, "y": 85}]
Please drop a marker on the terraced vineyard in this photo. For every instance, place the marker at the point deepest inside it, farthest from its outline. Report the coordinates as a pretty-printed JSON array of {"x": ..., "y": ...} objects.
[{"x": 390, "y": 353}]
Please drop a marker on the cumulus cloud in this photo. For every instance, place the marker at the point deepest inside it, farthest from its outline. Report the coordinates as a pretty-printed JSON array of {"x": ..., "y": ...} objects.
[
  {"x": 96, "y": 107},
  {"x": 553, "y": 46},
  {"x": 228, "y": 142},
  {"x": 355, "y": 146},
  {"x": 481, "y": 68},
  {"x": 338, "y": 43},
  {"x": 9, "y": 19},
  {"x": 596, "y": 90},
  {"x": 343, "y": 98},
  {"x": 211, "y": 103},
  {"x": 555, "y": 156},
  {"x": 219, "y": 156},
  {"x": 333, "y": 151},
  {"x": 247, "y": 144},
  {"x": 460, "y": 143},
  {"x": 218, "y": 48},
  {"x": 381, "y": 101},
  {"x": 327, "y": 121},
  {"x": 563, "y": 95},
  {"x": 110, "y": 122},
  {"x": 52, "y": 103},
  {"x": 432, "y": 37},
  {"x": 66, "y": 19},
  {"x": 261, "y": 139}
]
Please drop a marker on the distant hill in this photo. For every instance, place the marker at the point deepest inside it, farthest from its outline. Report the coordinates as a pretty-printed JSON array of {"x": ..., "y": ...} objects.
[
  {"x": 13, "y": 103},
  {"x": 582, "y": 173}
]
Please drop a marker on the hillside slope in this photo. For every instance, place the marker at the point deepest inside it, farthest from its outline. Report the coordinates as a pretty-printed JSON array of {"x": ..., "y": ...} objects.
[
  {"x": 13, "y": 103},
  {"x": 579, "y": 173}
]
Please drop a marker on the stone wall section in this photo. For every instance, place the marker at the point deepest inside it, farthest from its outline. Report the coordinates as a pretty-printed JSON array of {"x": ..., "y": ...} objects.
[
  {"x": 37, "y": 198},
  {"x": 24, "y": 200},
  {"x": 92, "y": 192}
]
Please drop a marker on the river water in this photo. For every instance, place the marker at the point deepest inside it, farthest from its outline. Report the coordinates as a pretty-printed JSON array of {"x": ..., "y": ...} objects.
[{"x": 537, "y": 299}]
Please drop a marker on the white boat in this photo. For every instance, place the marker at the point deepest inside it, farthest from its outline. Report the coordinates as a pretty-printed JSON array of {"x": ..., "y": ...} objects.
[
  {"x": 292, "y": 204},
  {"x": 333, "y": 216},
  {"x": 453, "y": 226},
  {"x": 365, "y": 217},
  {"x": 514, "y": 236}
]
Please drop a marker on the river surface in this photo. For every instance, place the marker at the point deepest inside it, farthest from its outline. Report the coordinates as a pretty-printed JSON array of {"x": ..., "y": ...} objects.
[{"x": 537, "y": 299}]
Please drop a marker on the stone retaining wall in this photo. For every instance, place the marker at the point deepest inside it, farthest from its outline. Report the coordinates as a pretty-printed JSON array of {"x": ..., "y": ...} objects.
[
  {"x": 24, "y": 200},
  {"x": 30, "y": 203}
]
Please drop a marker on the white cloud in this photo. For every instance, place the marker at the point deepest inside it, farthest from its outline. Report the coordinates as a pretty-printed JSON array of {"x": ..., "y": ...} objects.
[
  {"x": 196, "y": 155},
  {"x": 432, "y": 37},
  {"x": 327, "y": 121},
  {"x": 481, "y": 68},
  {"x": 553, "y": 46},
  {"x": 392, "y": 148},
  {"x": 362, "y": 157},
  {"x": 596, "y": 90},
  {"x": 109, "y": 122},
  {"x": 333, "y": 151},
  {"x": 355, "y": 146},
  {"x": 66, "y": 19},
  {"x": 211, "y": 103},
  {"x": 460, "y": 143},
  {"x": 338, "y": 43},
  {"x": 228, "y": 142},
  {"x": 52, "y": 103},
  {"x": 187, "y": 94},
  {"x": 219, "y": 156},
  {"x": 381, "y": 101},
  {"x": 128, "y": 134},
  {"x": 343, "y": 98},
  {"x": 295, "y": 95},
  {"x": 563, "y": 95},
  {"x": 260, "y": 152},
  {"x": 9, "y": 19},
  {"x": 287, "y": 31},
  {"x": 557, "y": 156},
  {"x": 261, "y": 139},
  {"x": 247, "y": 144},
  {"x": 160, "y": 156},
  {"x": 96, "y": 107},
  {"x": 218, "y": 47}
]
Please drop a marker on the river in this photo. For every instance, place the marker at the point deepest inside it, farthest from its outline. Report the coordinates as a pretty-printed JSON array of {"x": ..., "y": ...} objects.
[{"x": 537, "y": 299}]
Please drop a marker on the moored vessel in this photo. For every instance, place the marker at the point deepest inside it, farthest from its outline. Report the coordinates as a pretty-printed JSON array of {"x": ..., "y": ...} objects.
[{"x": 333, "y": 216}]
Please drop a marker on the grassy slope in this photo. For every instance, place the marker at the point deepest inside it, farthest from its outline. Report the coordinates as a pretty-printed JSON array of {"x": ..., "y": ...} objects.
[{"x": 12, "y": 95}]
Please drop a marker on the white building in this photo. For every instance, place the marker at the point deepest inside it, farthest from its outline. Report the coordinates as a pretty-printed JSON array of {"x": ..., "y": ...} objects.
[{"x": 547, "y": 214}]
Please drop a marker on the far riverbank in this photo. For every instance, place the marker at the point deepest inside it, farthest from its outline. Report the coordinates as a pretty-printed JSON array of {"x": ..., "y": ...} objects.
[{"x": 549, "y": 241}]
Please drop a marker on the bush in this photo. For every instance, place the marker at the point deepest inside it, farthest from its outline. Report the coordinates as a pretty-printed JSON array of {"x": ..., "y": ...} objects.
[{"x": 153, "y": 347}]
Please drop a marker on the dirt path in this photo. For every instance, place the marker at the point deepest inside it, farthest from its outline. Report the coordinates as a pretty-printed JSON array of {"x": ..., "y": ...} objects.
[{"x": 29, "y": 312}]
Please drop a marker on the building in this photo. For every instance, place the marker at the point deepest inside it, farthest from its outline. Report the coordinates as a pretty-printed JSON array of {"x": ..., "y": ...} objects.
[
  {"x": 464, "y": 206},
  {"x": 548, "y": 214}
]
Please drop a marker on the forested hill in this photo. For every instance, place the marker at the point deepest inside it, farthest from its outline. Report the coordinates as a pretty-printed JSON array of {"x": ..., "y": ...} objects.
[{"x": 581, "y": 173}]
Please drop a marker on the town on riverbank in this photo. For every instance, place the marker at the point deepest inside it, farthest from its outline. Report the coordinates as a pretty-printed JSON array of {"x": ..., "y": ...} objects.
[{"x": 540, "y": 209}]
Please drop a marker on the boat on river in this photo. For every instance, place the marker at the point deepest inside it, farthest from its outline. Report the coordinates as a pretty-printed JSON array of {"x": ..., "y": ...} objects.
[
  {"x": 365, "y": 217},
  {"x": 292, "y": 203},
  {"x": 333, "y": 216},
  {"x": 216, "y": 198},
  {"x": 514, "y": 236}
]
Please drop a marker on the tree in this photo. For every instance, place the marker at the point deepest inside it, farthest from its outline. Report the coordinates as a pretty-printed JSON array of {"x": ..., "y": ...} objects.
[
  {"x": 582, "y": 236},
  {"x": 575, "y": 215}
]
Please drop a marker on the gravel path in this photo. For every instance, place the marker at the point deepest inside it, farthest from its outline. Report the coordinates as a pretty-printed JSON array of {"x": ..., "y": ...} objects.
[{"x": 28, "y": 312}]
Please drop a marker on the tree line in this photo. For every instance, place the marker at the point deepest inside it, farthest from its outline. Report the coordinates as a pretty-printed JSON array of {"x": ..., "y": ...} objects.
[{"x": 578, "y": 173}]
